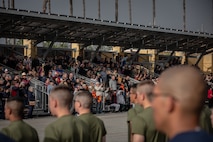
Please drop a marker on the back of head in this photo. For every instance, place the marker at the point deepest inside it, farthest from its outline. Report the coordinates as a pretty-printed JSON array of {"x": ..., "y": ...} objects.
[
  {"x": 146, "y": 87},
  {"x": 186, "y": 85},
  {"x": 133, "y": 93},
  {"x": 62, "y": 93},
  {"x": 85, "y": 98},
  {"x": 16, "y": 104},
  {"x": 133, "y": 88}
]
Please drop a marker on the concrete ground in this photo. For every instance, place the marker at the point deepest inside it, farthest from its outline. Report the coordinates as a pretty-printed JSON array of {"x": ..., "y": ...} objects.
[{"x": 115, "y": 124}]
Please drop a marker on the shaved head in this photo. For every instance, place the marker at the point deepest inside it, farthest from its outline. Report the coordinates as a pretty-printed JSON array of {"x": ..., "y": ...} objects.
[
  {"x": 16, "y": 105},
  {"x": 85, "y": 98},
  {"x": 63, "y": 95},
  {"x": 185, "y": 84},
  {"x": 146, "y": 87}
]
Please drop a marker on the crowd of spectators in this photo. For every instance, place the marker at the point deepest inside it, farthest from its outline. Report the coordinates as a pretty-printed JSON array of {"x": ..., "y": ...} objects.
[
  {"x": 12, "y": 84},
  {"x": 107, "y": 79}
]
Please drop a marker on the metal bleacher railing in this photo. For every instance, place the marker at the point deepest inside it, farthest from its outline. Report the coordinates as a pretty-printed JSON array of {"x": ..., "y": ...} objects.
[
  {"x": 11, "y": 70},
  {"x": 41, "y": 95}
]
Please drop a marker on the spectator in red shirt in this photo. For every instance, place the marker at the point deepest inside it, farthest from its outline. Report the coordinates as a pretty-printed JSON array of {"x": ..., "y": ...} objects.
[{"x": 210, "y": 97}]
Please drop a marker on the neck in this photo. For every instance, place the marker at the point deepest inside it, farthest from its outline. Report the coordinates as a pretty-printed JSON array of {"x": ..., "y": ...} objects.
[
  {"x": 146, "y": 104},
  {"x": 15, "y": 118},
  {"x": 84, "y": 111},
  {"x": 63, "y": 113},
  {"x": 182, "y": 124}
]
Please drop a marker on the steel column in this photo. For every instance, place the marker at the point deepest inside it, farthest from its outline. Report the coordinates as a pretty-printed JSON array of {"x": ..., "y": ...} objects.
[
  {"x": 99, "y": 9},
  {"x": 154, "y": 14},
  {"x": 84, "y": 8},
  {"x": 71, "y": 7},
  {"x": 137, "y": 52},
  {"x": 130, "y": 11},
  {"x": 49, "y": 48},
  {"x": 200, "y": 57},
  {"x": 116, "y": 10},
  {"x": 184, "y": 14}
]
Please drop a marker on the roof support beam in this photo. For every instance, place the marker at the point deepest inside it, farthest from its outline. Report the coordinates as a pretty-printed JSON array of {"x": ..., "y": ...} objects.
[
  {"x": 97, "y": 50},
  {"x": 208, "y": 52},
  {"x": 200, "y": 57},
  {"x": 50, "y": 47},
  {"x": 36, "y": 42},
  {"x": 186, "y": 58},
  {"x": 137, "y": 52},
  {"x": 170, "y": 56}
]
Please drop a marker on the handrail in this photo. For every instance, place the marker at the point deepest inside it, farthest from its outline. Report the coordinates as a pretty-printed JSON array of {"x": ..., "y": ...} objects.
[
  {"x": 9, "y": 68},
  {"x": 37, "y": 81},
  {"x": 86, "y": 79}
]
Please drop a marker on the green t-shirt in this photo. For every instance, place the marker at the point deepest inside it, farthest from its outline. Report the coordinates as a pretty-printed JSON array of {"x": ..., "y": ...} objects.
[
  {"x": 20, "y": 131},
  {"x": 96, "y": 127},
  {"x": 205, "y": 121},
  {"x": 143, "y": 124},
  {"x": 134, "y": 111},
  {"x": 130, "y": 115},
  {"x": 67, "y": 129}
]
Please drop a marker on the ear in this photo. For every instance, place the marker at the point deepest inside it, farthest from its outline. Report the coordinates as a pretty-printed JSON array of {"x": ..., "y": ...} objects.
[
  {"x": 170, "y": 104},
  {"x": 9, "y": 111},
  {"x": 135, "y": 96},
  {"x": 55, "y": 103},
  {"x": 79, "y": 104},
  {"x": 140, "y": 97}
]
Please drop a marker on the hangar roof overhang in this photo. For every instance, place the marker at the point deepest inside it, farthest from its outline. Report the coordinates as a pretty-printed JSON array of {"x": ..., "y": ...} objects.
[{"x": 24, "y": 24}]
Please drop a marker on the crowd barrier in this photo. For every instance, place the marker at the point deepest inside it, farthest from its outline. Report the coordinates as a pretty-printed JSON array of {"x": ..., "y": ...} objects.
[{"x": 41, "y": 95}]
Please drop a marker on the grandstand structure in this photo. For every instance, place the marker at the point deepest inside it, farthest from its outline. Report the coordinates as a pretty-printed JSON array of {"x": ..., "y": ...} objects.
[{"x": 38, "y": 27}]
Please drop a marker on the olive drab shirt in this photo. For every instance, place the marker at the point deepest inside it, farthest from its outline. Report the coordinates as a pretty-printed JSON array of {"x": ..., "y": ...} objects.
[
  {"x": 143, "y": 124},
  {"x": 130, "y": 115},
  {"x": 134, "y": 111},
  {"x": 67, "y": 129},
  {"x": 20, "y": 131},
  {"x": 96, "y": 127},
  {"x": 205, "y": 121}
]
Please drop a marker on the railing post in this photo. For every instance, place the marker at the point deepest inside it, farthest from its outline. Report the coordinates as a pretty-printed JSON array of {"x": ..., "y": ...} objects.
[
  {"x": 43, "y": 97},
  {"x": 103, "y": 101},
  {"x": 36, "y": 95}
]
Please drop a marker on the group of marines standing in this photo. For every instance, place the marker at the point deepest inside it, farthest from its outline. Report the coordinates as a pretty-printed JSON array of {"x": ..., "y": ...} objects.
[
  {"x": 172, "y": 109},
  {"x": 66, "y": 128}
]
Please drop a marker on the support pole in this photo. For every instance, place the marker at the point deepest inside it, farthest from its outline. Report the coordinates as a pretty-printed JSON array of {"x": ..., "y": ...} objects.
[
  {"x": 200, "y": 57},
  {"x": 186, "y": 58},
  {"x": 49, "y": 6},
  {"x": 9, "y": 4},
  {"x": 71, "y": 7},
  {"x": 116, "y": 10},
  {"x": 99, "y": 9},
  {"x": 96, "y": 51},
  {"x": 49, "y": 48},
  {"x": 84, "y": 9},
  {"x": 184, "y": 15},
  {"x": 130, "y": 11},
  {"x": 137, "y": 52},
  {"x": 13, "y": 4},
  {"x": 3, "y": 3},
  {"x": 154, "y": 14},
  {"x": 170, "y": 56}
]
